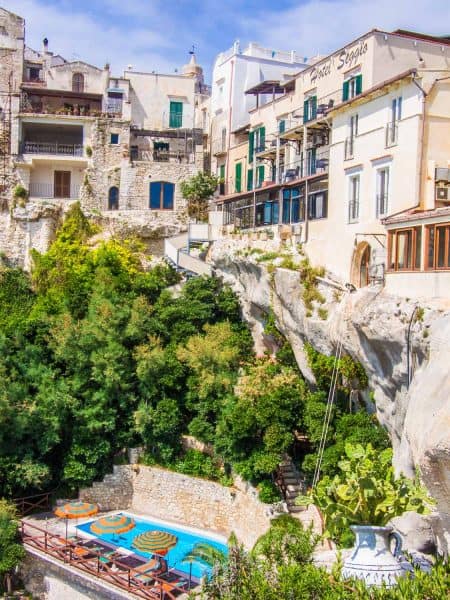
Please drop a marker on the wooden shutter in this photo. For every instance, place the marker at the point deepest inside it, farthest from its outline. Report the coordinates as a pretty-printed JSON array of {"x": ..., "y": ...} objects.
[
  {"x": 260, "y": 175},
  {"x": 251, "y": 146},
  {"x": 155, "y": 195},
  {"x": 281, "y": 126},
  {"x": 306, "y": 111},
  {"x": 238, "y": 177},
  {"x": 358, "y": 85},
  {"x": 61, "y": 183},
  {"x": 262, "y": 138},
  {"x": 250, "y": 179},
  {"x": 313, "y": 100},
  {"x": 176, "y": 114},
  {"x": 345, "y": 90},
  {"x": 168, "y": 193}
]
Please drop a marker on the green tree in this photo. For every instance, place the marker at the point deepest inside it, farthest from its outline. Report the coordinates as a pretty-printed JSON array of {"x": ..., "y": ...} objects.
[
  {"x": 11, "y": 551},
  {"x": 197, "y": 191}
]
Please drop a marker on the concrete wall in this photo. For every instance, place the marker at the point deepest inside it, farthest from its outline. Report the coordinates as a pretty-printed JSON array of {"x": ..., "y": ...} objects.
[{"x": 186, "y": 500}]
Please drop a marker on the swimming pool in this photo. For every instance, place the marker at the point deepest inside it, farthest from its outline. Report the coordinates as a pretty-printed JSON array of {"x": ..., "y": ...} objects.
[{"x": 186, "y": 541}]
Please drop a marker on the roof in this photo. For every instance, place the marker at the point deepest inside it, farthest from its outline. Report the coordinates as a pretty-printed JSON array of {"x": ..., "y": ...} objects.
[
  {"x": 415, "y": 214},
  {"x": 444, "y": 39},
  {"x": 38, "y": 91},
  {"x": 372, "y": 90},
  {"x": 269, "y": 86}
]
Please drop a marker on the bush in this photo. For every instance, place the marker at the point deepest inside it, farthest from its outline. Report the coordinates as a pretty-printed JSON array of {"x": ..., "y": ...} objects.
[{"x": 268, "y": 492}]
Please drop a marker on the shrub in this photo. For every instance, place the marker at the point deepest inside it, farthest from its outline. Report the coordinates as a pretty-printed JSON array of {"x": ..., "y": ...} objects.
[
  {"x": 88, "y": 151},
  {"x": 20, "y": 192},
  {"x": 268, "y": 492},
  {"x": 267, "y": 256}
]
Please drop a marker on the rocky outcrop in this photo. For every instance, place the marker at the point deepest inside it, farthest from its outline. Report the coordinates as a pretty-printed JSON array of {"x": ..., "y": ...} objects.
[{"x": 387, "y": 334}]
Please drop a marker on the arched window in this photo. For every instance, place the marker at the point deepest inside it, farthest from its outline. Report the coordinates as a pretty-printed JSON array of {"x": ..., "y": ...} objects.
[
  {"x": 113, "y": 198},
  {"x": 78, "y": 82},
  {"x": 161, "y": 195}
]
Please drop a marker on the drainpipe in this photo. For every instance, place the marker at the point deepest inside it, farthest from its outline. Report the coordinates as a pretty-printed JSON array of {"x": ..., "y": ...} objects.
[{"x": 421, "y": 140}]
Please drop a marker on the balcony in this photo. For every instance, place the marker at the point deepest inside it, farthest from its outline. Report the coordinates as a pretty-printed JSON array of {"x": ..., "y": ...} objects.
[
  {"x": 47, "y": 191},
  {"x": 219, "y": 147},
  {"x": 391, "y": 135},
  {"x": 52, "y": 148},
  {"x": 139, "y": 155},
  {"x": 59, "y": 102},
  {"x": 315, "y": 164}
]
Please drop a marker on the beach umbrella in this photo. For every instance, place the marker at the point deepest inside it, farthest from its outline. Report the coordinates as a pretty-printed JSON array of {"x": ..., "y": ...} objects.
[
  {"x": 155, "y": 542},
  {"x": 76, "y": 510},
  {"x": 112, "y": 524}
]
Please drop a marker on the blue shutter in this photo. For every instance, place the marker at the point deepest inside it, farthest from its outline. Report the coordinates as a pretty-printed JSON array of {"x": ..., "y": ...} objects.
[
  {"x": 275, "y": 212},
  {"x": 168, "y": 193},
  {"x": 155, "y": 195}
]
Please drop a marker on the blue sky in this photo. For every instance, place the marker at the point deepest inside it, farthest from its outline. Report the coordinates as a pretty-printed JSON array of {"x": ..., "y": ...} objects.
[{"x": 157, "y": 34}]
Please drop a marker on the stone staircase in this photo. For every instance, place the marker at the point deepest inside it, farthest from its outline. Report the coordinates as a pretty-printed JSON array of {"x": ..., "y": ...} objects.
[{"x": 290, "y": 484}]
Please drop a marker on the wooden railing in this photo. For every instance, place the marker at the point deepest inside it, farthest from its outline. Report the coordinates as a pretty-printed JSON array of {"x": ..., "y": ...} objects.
[
  {"x": 90, "y": 561},
  {"x": 30, "y": 504}
]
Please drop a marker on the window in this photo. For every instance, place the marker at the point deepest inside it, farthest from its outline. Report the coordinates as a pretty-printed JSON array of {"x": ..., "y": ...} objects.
[
  {"x": 352, "y": 87},
  {"x": 256, "y": 142},
  {"x": 438, "y": 246},
  {"x": 405, "y": 249},
  {"x": 396, "y": 109},
  {"x": 392, "y": 126},
  {"x": 317, "y": 205},
  {"x": 161, "y": 195},
  {"x": 311, "y": 161},
  {"x": 267, "y": 210},
  {"x": 114, "y": 138},
  {"x": 223, "y": 139},
  {"x": 353, "y": 201},
  {"x": 113, "y": 198},
  {"x": 78, "y": 82},
  {"x": 161, "y": 151},
  {"x": 293, "y": 205},
  {"x": 281, "y": 126},
  {"x": 176, "y": 114},
  {"x": 238, "y": 177},
  {"x": 310, "y": 109},
  {"x": 34, "y": 74},
  {"x": 382, "y": 191}
]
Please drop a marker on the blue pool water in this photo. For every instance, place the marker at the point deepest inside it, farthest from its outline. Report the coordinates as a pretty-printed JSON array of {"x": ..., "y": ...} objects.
[{"x": 186, "y": 542}]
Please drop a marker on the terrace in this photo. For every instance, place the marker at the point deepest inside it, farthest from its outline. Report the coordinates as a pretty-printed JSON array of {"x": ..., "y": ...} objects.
[{"x": 37, "y": 100}]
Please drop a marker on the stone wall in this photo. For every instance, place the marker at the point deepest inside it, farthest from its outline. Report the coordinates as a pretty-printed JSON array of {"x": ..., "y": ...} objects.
[{"x": 183, "y": 499}]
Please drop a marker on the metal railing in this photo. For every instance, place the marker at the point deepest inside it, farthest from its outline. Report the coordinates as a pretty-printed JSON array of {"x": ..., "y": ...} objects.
[
  {"x": 52, "y": 148},
  {"x": 47, "y": 190},
  {"x": 138, "y": 155},
  {"x": 349, "y": 148},
  {"x": 391, "y": 134},
  {"x": 109, "y": 569},
  {"x": 317, "y": 164}
]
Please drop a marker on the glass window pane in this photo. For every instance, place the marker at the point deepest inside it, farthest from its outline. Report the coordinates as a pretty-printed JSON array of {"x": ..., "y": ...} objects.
[
  {"x": 295, "y": 217},
  {"x": 286, "y": 210},
  {"x": 430, "y": 253},
  {"x": 418, "y": 249},
  {"x": 440, "y": 231},
  {"x": 404, "y": 249},
  {"x": 275, "y": 213}
]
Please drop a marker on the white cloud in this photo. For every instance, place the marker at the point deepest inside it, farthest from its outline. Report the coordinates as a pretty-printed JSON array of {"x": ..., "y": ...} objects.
[{"x": 322, "y": 26}]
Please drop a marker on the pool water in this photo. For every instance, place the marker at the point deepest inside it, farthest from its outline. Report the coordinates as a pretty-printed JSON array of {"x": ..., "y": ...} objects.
[{"x": 186, "y": 541}]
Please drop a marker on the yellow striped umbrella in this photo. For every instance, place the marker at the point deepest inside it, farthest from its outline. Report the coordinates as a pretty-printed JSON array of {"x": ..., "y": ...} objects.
[
  {"x": 113, "y": 524},
  {"x": 76, "y": 510},
  {"x": 155, "y": 542}
]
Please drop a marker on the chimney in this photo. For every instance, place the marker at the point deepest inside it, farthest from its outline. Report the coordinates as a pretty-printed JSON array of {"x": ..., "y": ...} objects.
[{"x": 45, "y": 45}]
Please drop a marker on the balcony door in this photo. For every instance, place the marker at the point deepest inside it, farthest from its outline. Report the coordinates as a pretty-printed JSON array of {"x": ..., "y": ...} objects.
[{"x": 61, "y": 184}]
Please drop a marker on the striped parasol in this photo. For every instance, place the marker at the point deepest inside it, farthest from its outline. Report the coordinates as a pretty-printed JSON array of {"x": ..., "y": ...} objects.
[
  {"x": 113, "y": 524},
  {"x": 76, "y": 510},
  {"x": 155, "y": 542}
]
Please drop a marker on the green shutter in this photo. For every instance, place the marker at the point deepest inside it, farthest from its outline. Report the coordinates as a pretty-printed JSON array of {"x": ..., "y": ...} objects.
[
  {"x": 176, "y": 114},
  {"x": 260, "y": 176},
  {"x": 251, "y": 146},
  {"x": 313, "y": 107},
  {"x": 262, "y": 138},
  {"x": 281, "y": 126},
  {"x": 305, "y": 111},
  {"x": 238, "y": 177},
  {"x": 250, "y": 179},
  {"x": 358, "y": 84},
  {"x": 222, "y": 172},
  {"x": 345, "y": 90}
]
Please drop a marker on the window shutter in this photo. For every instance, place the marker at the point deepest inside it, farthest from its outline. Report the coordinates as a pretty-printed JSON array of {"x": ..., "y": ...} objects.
[
  {"x": 313, "y": 107},
  {"x": 345, "y": 90},
  {"x": 168, "y": 193},
  {"x": 260, "y": 177},
  {"x": 358, "y": 87},
  {"x": 251, "y": 146},
  {"x": 250, "y": 179},
  {"x": 176, "y": 114},
  {"x": 262, "y": 138},
  {"x": 305, "y": 111},
  {"x": 281, "y": 126},
  {"x": 155, "y": 195},
  {"x": 238, "y": 177}
]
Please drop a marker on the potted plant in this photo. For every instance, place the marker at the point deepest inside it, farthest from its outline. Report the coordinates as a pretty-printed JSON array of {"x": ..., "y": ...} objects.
[{"x": 363, "y": 498}]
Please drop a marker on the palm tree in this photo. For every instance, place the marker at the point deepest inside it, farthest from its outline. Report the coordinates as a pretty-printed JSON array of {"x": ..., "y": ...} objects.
[{"x": 205, "y": 553}]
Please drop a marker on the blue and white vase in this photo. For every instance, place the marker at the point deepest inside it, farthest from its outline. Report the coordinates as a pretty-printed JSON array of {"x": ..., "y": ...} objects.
[{"x": 371, "y": 558}]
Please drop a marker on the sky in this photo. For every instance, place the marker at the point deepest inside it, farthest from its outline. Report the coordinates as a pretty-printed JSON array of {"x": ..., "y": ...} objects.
[{"x": 156, "y": 35}]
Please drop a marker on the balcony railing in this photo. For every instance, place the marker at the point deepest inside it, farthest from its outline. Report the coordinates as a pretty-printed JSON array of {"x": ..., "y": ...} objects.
[
  {"x": 312, "y": 165},
  {"x": 138, "y": 155},
  {"x": 114, "y": 106},
  {"x": 47, "y": 190},
  {"x": 52, "y": 148},
  {"x": 391, "y": 134},
  {"x": 349, "y": 148}
]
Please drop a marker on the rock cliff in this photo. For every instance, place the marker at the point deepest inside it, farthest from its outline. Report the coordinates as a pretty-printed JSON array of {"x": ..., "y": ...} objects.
[{"x": 404, "y": 347}]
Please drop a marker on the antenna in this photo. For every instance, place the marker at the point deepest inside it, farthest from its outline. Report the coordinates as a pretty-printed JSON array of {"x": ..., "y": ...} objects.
[{"x": 192, "y": 50}]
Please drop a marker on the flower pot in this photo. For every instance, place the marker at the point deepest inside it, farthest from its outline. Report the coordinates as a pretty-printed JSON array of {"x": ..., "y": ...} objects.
[{"x": 371, "y": 558}]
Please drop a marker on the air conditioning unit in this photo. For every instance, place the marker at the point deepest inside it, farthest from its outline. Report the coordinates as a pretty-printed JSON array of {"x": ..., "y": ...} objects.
[
  {"x": 442, "y": 174},
  {"x": 442, "y": 193}
]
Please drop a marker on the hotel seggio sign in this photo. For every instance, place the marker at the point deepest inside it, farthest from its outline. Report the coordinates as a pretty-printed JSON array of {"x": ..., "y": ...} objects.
[{"x": 346, "y": 58}]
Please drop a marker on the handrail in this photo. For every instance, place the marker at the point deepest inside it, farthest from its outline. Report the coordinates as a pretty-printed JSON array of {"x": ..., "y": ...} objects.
[
  {"x": 25, "y": 505},
  {"x": 89, "y": 561}
]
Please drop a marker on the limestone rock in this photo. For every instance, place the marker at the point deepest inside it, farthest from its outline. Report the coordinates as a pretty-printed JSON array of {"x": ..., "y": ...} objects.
[{"x": 416, "y": 532}]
